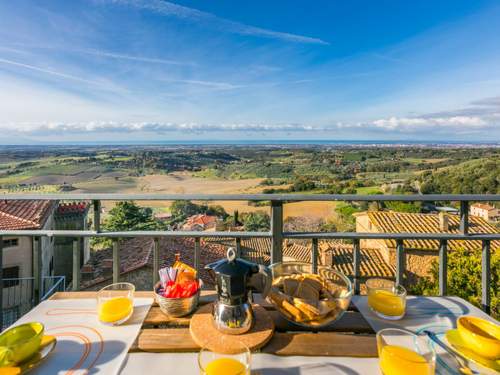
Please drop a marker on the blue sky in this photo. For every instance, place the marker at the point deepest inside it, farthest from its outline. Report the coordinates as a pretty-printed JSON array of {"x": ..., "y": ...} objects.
[{"x": 139, "y": 70}]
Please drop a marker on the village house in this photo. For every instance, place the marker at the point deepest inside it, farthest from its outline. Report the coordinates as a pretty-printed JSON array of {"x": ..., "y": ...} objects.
[
  {"x": 55, "y": 253},
  {"x": 70, "y": 216},
  {"x": 485, "y": 211},
  {"x": 136, "y": 261},
  {"x": 18, "y": 251},
  {"x": 419, "y": 253},
  {"x": 202, "y": 222}
]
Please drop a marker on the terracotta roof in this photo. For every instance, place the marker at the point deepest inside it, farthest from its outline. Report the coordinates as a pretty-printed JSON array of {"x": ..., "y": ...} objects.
[
  {"x": 201, "y": 219},
  {"x": 24, "y": 214},
  {"x": 72, "y": 208},
  {"x": 398, "y": 222},
  {"x": 372, "y": 263},
  {"x": 134, "y": 254},
  {"x": 137, "y": 253},
  {"x": 258, "y": 250}
]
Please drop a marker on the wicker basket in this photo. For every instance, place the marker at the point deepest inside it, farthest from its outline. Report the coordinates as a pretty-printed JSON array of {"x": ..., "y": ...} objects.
[{"x": 177, "y": 307}]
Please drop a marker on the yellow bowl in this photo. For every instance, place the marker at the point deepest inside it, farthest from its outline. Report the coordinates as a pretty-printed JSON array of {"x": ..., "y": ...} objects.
[
  {"x": 22, "y": 341},
  {"x": 480, "y": 336}
]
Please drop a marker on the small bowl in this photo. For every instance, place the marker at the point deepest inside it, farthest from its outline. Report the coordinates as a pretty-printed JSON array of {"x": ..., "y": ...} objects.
[
  {"x": 177, "y": 307},
  {"x": 480, "y": 336},
  {"x": 339, "y": 287},
  {"x": 23, "y": 341}
]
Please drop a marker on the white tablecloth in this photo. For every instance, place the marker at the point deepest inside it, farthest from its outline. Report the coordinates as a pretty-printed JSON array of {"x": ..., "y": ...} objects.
[
  {"x": 265, "y": 364},
  {"x": 84, "y": 346},
  {"x": 434, "y": 313}
]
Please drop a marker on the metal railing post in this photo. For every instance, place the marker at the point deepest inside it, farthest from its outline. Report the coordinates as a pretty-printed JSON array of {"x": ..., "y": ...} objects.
[
  {"x": 1, "y": 286},
  {"x": 276, "y": 231},
  {"x": 238, "y": 247},
  {"x": 76, "y": 266},
  {"x": 314, "y": 255},
  {"x": 116, "y": 261},
  {"x": 197, "y": 254},
  {"x": 400, "y": 262},
  {"x": 356, "y": 259},
  {"x": 156, "y": 260},
  {"x": 37, "y": 269},
  {"x": 486, "y": 277},
  {"x": 464, "y": 217},
  {"x": 97, "y": 215},
  {"x": 443, "y": 267}
]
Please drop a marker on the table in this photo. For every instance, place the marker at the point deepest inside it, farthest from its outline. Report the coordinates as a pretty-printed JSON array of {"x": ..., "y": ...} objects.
[
  {"x": 164, "y": 345},
  {"x": 349, "y": 336}
]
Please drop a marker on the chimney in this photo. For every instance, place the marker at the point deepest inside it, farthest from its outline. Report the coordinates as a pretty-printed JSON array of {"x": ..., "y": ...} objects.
[
  {"x": 444, "y": 222},
  {"x": 87, "y": 272},
  {"x": 107, "y": 267}
]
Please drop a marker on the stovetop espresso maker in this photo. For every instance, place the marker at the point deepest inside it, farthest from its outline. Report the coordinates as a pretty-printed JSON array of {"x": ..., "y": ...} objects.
[{"x": 235, "y": 279}]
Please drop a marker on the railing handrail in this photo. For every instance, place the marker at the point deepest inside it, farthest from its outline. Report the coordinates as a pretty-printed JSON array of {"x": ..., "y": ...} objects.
[
  {"x": 256, "y": 197},
  {"x": 290, "y": 235},
  {"x": 276, "y": 233}
]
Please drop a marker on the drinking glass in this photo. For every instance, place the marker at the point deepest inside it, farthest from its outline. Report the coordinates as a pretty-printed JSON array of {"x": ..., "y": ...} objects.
[
  {"x": 386, "y": 299},
  {"x": 115, "y": 303},
  {"x": 234, "y": 361},
  {"x": 403, "y": 352}
]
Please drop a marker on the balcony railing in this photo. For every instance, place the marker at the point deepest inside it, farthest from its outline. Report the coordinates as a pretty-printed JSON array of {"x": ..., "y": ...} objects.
[
  {"x": 18, "y": 295},
  {"x": 276, "y": 233}
]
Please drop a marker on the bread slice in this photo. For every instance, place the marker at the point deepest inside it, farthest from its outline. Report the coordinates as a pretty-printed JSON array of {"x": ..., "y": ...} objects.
[
  {"x": 306, "y": 291},
  {"x": 290, "y": 286},
  {"x": 313, "y": 283}
]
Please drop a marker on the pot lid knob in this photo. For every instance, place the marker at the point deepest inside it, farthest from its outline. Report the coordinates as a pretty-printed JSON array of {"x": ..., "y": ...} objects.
[{"x": 231, "y": 254}]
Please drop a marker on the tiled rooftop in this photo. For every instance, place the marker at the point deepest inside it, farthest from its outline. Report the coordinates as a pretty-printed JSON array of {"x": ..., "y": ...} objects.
[
  {"x": 24, "y": 214},
  {"x": 397, "y": 222},
  {"x": 137, "y": 253},
  {"x": 134, "y": 254},
  {"x": 258, "y": 250},
  {"x": 73, "y": 208},
  {"x": 372, "y": 263}
]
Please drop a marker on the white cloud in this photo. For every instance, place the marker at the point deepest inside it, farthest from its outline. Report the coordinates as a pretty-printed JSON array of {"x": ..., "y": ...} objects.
[
  {"x": 57, "y": 128},
  {"x": 179, "y": 11},
  {"x": 417, "y": 123}
]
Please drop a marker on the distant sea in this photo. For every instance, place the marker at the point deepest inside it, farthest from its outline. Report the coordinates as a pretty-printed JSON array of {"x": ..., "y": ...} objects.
[{"x": 276, "y": 142}]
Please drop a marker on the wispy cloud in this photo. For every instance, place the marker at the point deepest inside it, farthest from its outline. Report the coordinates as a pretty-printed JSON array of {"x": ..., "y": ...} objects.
[
  {"x": 26, "y": 48},
  {"x": 195, "y": 15},
  {"x": 120, "y": 56},
  {"x": 208, "y": 84},
  {"x": 101, "y": 84}
]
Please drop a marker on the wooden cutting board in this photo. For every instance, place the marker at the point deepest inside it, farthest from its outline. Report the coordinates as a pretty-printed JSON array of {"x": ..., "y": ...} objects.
[{"x": 207, "y": 336}]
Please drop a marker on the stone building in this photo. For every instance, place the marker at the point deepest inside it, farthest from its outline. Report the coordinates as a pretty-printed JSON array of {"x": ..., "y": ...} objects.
[
  {"x": 70, "y": 216},
  {"x": 485, "y": 211},
  {"x": 136, "y": 261},
  {"x": 419, "y": 253}
]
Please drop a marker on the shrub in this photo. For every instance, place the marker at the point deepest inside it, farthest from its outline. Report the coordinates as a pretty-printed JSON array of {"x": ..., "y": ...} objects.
[{"x": 464, "y": 278}]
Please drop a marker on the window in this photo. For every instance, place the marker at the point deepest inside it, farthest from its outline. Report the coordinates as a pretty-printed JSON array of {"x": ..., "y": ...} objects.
[
  {"x": 10, "y": 273},
  {"x": 11, "y": 242}
]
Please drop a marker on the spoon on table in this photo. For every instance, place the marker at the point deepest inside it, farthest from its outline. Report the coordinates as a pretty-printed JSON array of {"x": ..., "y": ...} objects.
[{"x": 461, "y": 361}]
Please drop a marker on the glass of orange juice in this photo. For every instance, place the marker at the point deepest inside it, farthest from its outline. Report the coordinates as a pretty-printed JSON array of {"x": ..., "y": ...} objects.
[
  {"x": 115, "y": 303},
  {"x": 236, "y": 361},
  {"x": 386, "y": 299},
  {"x": 403, "y": 352}
]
